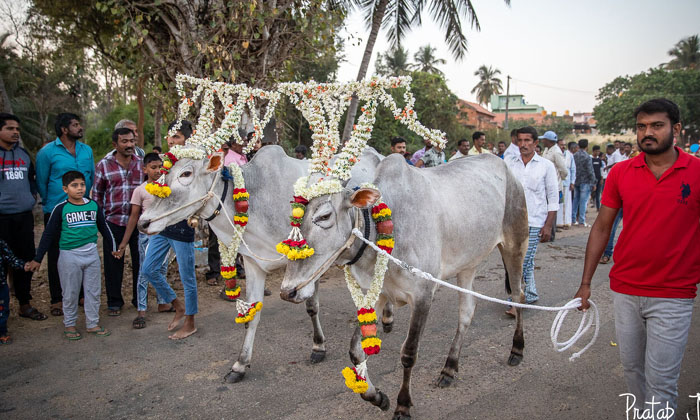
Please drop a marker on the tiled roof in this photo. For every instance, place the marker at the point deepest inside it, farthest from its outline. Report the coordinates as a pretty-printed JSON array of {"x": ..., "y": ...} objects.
[{"x": 476, "y": 107}]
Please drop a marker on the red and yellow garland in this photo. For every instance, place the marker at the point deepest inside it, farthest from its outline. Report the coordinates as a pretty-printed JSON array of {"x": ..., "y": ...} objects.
[
  {"x": 160, "y": 188},
  {"x": 294, "y": 248}
]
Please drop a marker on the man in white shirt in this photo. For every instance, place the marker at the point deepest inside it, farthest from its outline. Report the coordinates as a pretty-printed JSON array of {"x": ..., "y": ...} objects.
[
  {"x": 556, "y": 156},
  {"x": 513, "y": 149},
  {"x": 539, "y": 179},
  {"x": 462, "y": 150},
  {"x": 564, "y": 216}
]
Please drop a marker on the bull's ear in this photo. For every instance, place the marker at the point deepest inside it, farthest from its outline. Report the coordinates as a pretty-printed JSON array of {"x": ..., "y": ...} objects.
[
  {"x": 364, "y": 198},
  {"x": 216, "y": 162}
]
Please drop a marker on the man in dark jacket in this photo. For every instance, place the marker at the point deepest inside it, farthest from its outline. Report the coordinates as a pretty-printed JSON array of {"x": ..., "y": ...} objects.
[{"x": 17, "y": 197}]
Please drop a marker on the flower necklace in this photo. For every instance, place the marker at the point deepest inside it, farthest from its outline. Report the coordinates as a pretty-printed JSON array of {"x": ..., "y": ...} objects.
[
  {"x": 356, "y": 377},
  {"x": 232, "y": 291}
]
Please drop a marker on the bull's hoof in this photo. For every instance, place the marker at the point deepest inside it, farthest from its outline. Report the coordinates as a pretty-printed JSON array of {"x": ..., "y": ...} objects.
[
  {"x": 234, "y": 377},
  {"x": 385, "y": 404},
  {"x": 401, "y": 416},
  {"x": 317, "y": 356},
  {"x": 445, "y": 380},
  {"x": 515, "y": 359},
  {"x": 388, "y": 327}
]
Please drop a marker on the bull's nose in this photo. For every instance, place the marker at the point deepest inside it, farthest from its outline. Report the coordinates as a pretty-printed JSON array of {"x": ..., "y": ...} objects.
[
  {"x": 143, "y": 225},
  {"x": 289, "y": 294}
]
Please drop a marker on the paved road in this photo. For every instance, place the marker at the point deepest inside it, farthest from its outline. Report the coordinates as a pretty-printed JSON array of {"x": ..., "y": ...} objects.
[{"x": 140, "y": 373}]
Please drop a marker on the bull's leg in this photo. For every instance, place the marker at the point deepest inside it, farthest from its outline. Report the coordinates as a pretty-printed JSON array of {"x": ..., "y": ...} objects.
[
  {"x": 357, "y": 356},
  {"x": 255, "y": 289},
  {"x": 467, "y": 304},
  {"x": 387, "y": 309},
  {"x": 318, "y": 351},
  {"x": 513, "y": 256},
  {"x": 409, "y": 354}
]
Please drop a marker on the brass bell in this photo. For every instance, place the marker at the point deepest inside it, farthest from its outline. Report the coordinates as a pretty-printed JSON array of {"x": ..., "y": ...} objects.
[{"x": 193, "y": 222}]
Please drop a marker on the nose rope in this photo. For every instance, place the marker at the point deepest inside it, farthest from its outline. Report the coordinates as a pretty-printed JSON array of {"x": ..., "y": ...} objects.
[
  {"x": 326, "y": 265},
  {"x": 586, "y": 321}
]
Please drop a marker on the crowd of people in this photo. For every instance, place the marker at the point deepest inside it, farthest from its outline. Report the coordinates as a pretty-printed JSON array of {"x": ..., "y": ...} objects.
[
  {"x": 80, "y": 198},
  {"x": 654, "y": 278}
]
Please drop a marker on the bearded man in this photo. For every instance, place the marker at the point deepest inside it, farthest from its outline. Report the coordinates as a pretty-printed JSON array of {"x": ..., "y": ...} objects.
[{"x": 657, "y": 258}]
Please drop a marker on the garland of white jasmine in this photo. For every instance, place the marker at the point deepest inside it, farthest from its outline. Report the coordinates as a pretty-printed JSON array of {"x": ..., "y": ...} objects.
[
  {"x": 316, "y": 100},
  {"x": 356, "y": 377}
]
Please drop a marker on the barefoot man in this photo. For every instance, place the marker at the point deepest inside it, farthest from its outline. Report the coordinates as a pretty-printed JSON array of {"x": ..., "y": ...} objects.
[{"x": 181, "y": 238}]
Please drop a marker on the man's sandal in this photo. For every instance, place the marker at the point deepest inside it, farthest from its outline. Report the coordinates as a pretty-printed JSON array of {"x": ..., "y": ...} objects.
[
  {"x": 139, "y": 323},
  {"x": 100, "y": 333},
  {"x": 33, "y": 314},
  {"x": 56, "y": 312},
  {"x": 5, "y": 339},
  {"x": 72, "y": 335}
]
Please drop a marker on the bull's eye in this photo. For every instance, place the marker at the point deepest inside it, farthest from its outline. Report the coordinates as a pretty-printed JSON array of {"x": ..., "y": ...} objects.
[
  {"x": 323, "y": 220},
  {"x": 185, "y": 176}
]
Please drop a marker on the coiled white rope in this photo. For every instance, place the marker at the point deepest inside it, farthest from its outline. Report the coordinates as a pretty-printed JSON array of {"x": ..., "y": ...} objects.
[{"x": 586, "y": 321}]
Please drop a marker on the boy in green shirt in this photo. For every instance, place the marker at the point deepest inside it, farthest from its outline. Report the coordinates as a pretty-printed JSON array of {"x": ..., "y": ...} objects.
[{"x": 77, "y": 220}]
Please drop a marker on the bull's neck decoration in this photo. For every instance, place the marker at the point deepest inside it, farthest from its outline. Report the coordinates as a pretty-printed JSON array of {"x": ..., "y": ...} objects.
[
  {"x": 322, "y": 104},
  {"x": 246, "y": 311},
  {"x": 356, "y": 377}
]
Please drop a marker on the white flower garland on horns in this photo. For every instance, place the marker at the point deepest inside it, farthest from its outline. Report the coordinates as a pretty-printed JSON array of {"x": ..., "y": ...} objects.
[{"x": 234, "y": 99}]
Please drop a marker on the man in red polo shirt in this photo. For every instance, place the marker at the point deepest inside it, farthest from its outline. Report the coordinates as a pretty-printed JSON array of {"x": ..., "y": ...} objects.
[{"x": 657, "y": 258}]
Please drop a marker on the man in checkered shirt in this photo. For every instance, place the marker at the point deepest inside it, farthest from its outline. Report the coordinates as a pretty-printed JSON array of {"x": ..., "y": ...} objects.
[{"x": 116, "y": 177}]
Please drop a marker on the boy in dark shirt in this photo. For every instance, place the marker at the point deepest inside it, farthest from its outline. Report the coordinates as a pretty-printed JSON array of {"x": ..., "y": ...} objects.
[
  {"x": 76, "y": 221},
  {"x": 598, "y": 166}
]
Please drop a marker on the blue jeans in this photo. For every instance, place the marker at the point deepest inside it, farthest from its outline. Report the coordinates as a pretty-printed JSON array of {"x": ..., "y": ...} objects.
[
  {"x": 582, "y": 193},
  {"x": 4, "y": 306},
  {"x": 529, "y": 265},
  {"x": 611, "y": 242},
  {"x": 156, "y": 256},
  {"x": 652, "y": 334},
  {"x": 142, "y": 290}
]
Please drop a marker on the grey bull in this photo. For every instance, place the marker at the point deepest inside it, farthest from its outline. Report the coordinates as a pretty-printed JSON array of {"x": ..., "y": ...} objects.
[
  {"x": 269, "y": 179},
  {"x": 446, "y": 221}
]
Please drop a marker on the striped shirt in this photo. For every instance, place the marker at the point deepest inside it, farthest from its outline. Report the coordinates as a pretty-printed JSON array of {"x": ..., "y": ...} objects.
[{"x": 114, "y": 186}]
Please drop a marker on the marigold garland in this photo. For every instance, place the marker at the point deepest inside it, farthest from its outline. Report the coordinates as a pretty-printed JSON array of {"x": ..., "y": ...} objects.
[
  {"x": 358, "y": 384},
  {"x": 248, "y": 313},
  {"x": 366, "y": 316}
]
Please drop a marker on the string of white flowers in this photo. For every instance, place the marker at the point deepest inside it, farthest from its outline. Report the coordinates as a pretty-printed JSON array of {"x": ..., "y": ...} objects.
[
  {"x": 230, "y": 251},
  {"x": 188, "y": 151},
  {"x": 323, "y": 187},
  {"x": 234, "y": 99}
]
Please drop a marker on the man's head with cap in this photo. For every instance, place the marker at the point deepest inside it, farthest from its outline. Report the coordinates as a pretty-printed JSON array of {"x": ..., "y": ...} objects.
[{"x": 549, "y": 138}]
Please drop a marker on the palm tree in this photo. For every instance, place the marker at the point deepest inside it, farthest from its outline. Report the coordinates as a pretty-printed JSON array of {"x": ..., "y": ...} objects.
[
  {"x": 426, "y": 60},
  {"x": 393, "y": 62},
  {"x": 488, "y": 84},
  {"x": 686, "y": 54},
  {"x": 401, "y": 16}
]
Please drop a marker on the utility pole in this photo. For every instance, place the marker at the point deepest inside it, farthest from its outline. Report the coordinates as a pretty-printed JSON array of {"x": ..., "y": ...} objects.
[{"x": 507, "y": 98}]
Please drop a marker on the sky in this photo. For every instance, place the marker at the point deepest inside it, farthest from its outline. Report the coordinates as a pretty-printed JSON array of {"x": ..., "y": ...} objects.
[{"x": 557, "y": 52}]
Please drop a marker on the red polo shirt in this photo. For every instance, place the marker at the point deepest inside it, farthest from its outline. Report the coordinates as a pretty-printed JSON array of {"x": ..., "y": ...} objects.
[{"x": 658, "y": 253}]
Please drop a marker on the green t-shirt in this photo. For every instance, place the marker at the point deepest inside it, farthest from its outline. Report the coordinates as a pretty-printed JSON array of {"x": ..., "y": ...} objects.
[{"x": 77, "y": 226}]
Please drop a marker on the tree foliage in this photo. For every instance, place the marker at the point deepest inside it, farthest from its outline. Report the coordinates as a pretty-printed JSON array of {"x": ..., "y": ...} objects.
[
  {"x": 426, "y": 61},
  {"x": 393, "y": 62},
  {"x": 686, "y": 54},
  {"x": 618, "y": 99},
  {"x": 488, "y": 85}
]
